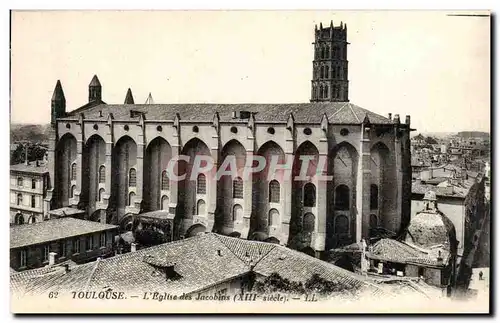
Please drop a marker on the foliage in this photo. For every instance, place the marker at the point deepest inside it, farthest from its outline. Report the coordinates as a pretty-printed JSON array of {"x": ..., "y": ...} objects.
[
  {"x": 149, "y": 237},
  {"x": 430, "y": 141},
  {"x": 35, "y": 152},
  {"x": 314, "y": 285}
]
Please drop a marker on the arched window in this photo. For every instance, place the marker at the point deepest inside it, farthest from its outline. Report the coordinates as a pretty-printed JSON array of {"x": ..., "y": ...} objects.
[
  {"x": 273, "y": 217},
  {"x": 132, "y": 178},
  {"x": 341, "y": 224},
  {"x": 131, "y": 197},
  {"x": 308, "y": 222},
  {"x": 101, "y": 193},
  {"x": 274, "y": 191},
  {"x": 165, "y": 183},
  {"x": 322, "y": 72},
  {"x": 373, "y": 221},
  {"x": 201, "y": 184},
  {"x": 309, "y": 195},
  {"x": 19, "y": 219},
  {"x": 237, "y": 213},
  {"x": 334, "y": 71},
  {"x": 325, "y": 92},
  {"x": 19, "y": 181},
  {"x": 73, "y": 172},
  {"x": 335, "y": 90},
  {"x": 327, "y": 53},
  {"x": 33, "y": 219},
  {"x": 322, "y": 52},
  {"x": 315, "y": 91},
  {"x": 72, "y": 191},
  {"x": 327, "y": 72},
  {"x": 102, "y": 174},
  {"x": 238, "y": 188},
  {"x": 342, "y": 198},
  {"x": 200, "y": 206},
  {"x": 373, "y": 197},
  {"x": 164, "y": 202},
  {"x": 19, "y": 199},
  {"x": 321, "y": 91}
]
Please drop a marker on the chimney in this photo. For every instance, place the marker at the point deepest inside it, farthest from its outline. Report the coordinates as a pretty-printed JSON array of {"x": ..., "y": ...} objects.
[
  {"x": 52, "y": 258},
  {"x": 396, "y": 118},
  {"x": 389, "y": 116},
  {"x": 439, "y": 258},
  {"x": 407, "y": 121},
  {"x": 133, "y": 247},
  {"x": 37, "y": 163},
  {"x": 26, "y": 155}
]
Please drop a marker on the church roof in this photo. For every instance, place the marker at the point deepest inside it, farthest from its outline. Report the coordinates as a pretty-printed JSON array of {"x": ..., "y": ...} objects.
[{"x": 336, "y": 112}]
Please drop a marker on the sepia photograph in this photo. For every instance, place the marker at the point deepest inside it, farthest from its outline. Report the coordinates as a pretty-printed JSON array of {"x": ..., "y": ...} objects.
[{"x": 258, "y": 161}]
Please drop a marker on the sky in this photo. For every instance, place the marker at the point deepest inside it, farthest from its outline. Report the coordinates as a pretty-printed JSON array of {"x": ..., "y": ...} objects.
[{"x": 429, "y": 65}]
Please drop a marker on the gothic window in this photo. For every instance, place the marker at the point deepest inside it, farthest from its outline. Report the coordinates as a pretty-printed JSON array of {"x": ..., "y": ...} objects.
[
  {"x": 201, "y": 184},
  {"x": 341, "y": 224},
  {"x": 237, "y": 213},
  {"x": 132, "y": 178},
  {"x": 342, "y": 198},
  {"x": 131, "y": 197},
  {"x": 325, "y": 92},
  {"x": 73, "y": 172},
  {"x": 321, "y": 91},
  {"x": 101, "y": 193},
  {"x": 274, "y": 191},
  {"x": 164, "y": 202},
  {"x": 165, "y": 183},
  {"x": 19, "y": 199},
  {"x": 373, "y": 197},
  {"x": 315, "y": 92},
  {"x": 201, "y": 207},
  {"x": 273, "y": 217},
  {"x": 327, "y": 51},
  {"x": 238, "y": 188},
  {"x": 309, "y": 195},
  {"x": 102, "y": 174},
  {"x": 335, "y": 90},
  {"x": 72, "y": 191},
  {"x": 322, "y": 72},
  {"x": 322, "y": 52},
  {"x": 308, "y": 222},
  {"x": 327, "y": 72},
  {"x": 373, "y": 221}
]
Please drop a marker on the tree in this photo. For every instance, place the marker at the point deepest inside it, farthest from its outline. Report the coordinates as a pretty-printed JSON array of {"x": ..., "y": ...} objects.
[{"x": 431, "y": 141}]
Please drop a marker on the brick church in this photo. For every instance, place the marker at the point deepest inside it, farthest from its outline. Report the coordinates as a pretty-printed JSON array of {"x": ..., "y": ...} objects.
[{"x": 110, "y": 160}]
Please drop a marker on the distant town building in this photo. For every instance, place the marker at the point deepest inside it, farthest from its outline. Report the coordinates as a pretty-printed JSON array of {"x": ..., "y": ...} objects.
[
  {"x": 428, "y": 249},
  {"x": 461, "y": 200},
  {"x": 28, "y": 188},
  {"x": 55, "y": 241}
]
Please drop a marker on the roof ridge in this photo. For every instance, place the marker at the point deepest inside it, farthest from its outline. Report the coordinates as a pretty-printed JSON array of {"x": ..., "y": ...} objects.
[
  {"x": 97, "y": 262},
  {"x": 231, "y": 238},
  {"x": 357, "y": 118},
  {"x": 333, "y": 114}
]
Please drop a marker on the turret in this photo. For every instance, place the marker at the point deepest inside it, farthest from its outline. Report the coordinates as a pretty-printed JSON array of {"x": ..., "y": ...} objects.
[
  {"x": 95, "y": 90},
  {"x": 129, "y": 99},
  {"x": 58, "y": 104}
]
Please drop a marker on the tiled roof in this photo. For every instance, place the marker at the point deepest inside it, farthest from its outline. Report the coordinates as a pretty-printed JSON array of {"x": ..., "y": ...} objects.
[
  {"x": 30, "y": 168},
  {"x": 419, "y": 188},
  {"x": 398, "y": 252},
  {"x": 337, "y": 112},
  {"x": 41, "y": 232},
  {"x": 66, "y": 211},
  {"x": 201, "y": 261}
]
